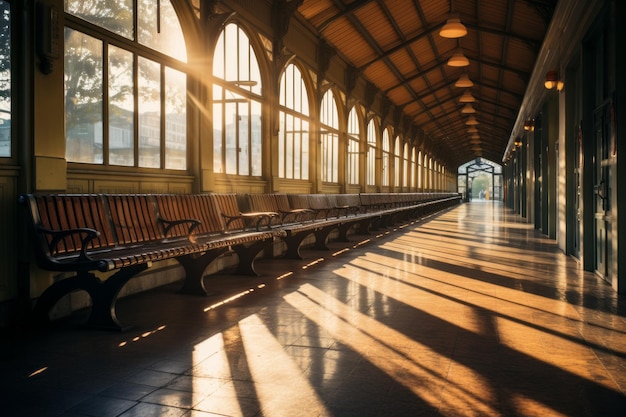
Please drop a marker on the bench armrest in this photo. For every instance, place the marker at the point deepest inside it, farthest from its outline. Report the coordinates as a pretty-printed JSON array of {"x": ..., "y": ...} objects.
[
  {"x": 256, "y": 217},
  {"x": 59, "y": 235},
  {"x": 168, "y": 224}
]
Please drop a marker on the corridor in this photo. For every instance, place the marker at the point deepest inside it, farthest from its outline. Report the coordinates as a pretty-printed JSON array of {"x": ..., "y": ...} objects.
[{"x": 468, "y": 313}]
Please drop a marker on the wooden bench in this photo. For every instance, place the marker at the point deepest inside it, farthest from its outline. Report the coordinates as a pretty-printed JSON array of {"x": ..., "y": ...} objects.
[
  {"x": 104, "y": 240},
  {"x": 124, "y": 234}
]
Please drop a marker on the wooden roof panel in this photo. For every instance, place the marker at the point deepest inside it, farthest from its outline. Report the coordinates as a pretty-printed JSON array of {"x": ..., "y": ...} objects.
[{"x": 397, "y": 46}]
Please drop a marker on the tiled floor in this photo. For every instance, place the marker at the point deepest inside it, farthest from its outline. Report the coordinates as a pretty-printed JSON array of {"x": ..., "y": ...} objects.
[{"x": 469, "y": 313}]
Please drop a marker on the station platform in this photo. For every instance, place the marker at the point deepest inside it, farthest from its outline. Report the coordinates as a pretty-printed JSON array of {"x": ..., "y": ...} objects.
[{"x": 470, "y": 312}]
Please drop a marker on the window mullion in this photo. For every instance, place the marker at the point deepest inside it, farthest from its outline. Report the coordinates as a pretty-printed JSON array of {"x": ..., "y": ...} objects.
[
  {"x": 105, "y": 104},
  {"x": 163, "y": 133},
  {"x": 136, "y": 149}
]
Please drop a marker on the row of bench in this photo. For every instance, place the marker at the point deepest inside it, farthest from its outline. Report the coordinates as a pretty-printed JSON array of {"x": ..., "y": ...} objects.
[{"x": 121, "y": 235}]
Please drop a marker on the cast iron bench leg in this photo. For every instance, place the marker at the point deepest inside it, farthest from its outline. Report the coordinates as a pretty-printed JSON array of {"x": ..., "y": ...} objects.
[
  {"x": 194, "y": 266},
  {"x": 104, "y": 297},
  {"x": 293, "y": 242},
  {"x": 247, "y": 254},
  {"x": 321, "y": 237}
]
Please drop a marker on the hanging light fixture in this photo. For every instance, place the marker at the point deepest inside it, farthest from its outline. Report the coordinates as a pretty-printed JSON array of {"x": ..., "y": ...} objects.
[
  {"x": 472, "y": 130},
  {"x": 453, "y": 28},
  {"x": 475, "y": 136},
  {"x": 458, "y": 59},
  {"x": 471, "y": 121},
  {"x": 467, "y": 97},
  {"x": 464, "y": 81},
  {"x": 467, "y": 109}
]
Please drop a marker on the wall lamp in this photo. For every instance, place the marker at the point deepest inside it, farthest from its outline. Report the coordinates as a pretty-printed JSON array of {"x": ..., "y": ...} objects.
[
  {"x": 552, "y": 81},
  {"x": 529, "y": 126}
]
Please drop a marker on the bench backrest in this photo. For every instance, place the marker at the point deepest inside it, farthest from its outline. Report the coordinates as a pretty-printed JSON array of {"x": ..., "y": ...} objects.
[
  {"x": 63, "y": 212},
  {"x": 134, "y": 218},
  {"x": 200, "y": 207},
  {"x": 228, "y": 204},
  {"x": 348, "y": 200}
]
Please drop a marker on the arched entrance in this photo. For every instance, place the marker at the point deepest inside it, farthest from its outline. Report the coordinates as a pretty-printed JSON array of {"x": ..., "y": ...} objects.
[{"x": 480, "y": 179}]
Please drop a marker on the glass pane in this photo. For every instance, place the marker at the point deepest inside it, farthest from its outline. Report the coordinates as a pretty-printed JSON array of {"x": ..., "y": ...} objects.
[
  {"x": 282, "y": 138},
  {"x": 297, "y": 151},
  {"x": 121, "y": 107},
  {"x": 289, "y": 138},
  {"x": 83, "y": 98},
  {"x": 230, "y": 129},
  {"x": 218, "y": 57},
  {"x": 305, "y": 151},
  {"x": 230, "y": 53},
  {"x": 5, "y": 79},
  {"x": 158, "y": 28},
  {"x": 217, "y": 136},
  {"x": 243, "y": 138},
  {"x": 149, "y": 114},
  {"x": 256, "y": 139},
  {"x": 113, "y": 15},
  {"x": 175, "y": 119},
  {"x": 335, "y": 156}
]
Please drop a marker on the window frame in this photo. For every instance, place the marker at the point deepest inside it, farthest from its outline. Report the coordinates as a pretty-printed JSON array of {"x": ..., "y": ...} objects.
[
  {"x": 138, "y": 51},
  {"x": 385, "y": 167},
  {"x": 246, "y": 95},
  {"x": 292, "y": 169},
  {"x": 354, "y": 146},
  {"x": 13, "y": 96},
  {"x": 329, "y": 138}
]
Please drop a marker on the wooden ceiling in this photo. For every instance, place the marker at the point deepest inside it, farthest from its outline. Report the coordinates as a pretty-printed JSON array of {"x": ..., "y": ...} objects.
[{"x": 395, "y": 45}]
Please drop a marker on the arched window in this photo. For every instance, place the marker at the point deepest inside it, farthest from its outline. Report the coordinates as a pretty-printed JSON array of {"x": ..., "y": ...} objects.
[
  {"x": 420, "y": 177},
  {"x": 124, "y": 107},
  {"x": 237, "y": 130},
  {"x": 430, "y": 174},
  {"x": 413, "y": 167},
  {"x": 397, "y": 167},
  {"x": 293, "y": 133},
  {"x": 405, "y": 166},
  {"x": 354, "y": 141},
  {"x": 385, "y": 159},
  {"x": 5, "y": 79},
  {"x": 372, "y": 136},
  {"x": 329, "y": 137}
]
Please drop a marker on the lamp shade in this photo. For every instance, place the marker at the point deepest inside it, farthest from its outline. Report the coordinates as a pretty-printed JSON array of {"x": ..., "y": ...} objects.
[
  {"x": 467, "y": 97},
  {"x": 458, "y": 59},
  {"x": 552, "y": 80},
  {"x": 467, "y": 109},
  {"x": 453, "y": 28},
  {"x": 472, "y": 130},
  {"x": 471, "y": 121},
  {"x": 464, "y": 81}
]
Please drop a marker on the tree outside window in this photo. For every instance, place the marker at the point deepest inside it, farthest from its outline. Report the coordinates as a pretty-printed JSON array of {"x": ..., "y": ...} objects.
[{"x": 141, "y": 127}]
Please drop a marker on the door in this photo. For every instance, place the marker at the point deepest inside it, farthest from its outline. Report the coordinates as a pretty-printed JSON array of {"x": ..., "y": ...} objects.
[
  {"x": 602, "y": 200},
  {"x": 578, "y": 156}
]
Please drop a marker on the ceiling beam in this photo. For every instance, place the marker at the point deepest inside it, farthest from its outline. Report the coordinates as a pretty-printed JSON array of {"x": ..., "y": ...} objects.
[{"x": 345, "y": 11}]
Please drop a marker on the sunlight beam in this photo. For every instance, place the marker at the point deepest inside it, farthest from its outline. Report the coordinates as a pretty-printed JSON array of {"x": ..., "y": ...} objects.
[{"x": 268, "y": 361}]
